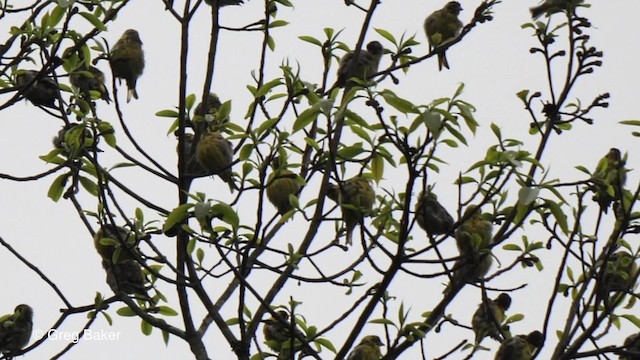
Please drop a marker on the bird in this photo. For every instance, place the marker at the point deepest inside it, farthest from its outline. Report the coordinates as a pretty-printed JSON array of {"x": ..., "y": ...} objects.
[
  {"x": 549, "y": 7},
  {"x": 619, "y": 275},
  {"x": 632, "y": 345},
  {"x": 15, "y": 329},
  {"x": 442, "y": 26},
  {"x": 609, "y": 179},
  {"x": 356, "y": 197},
  {"x": 87, "y": 79},
  {"x": 127, "y": 60},
  {"x": 215, "y": 154},
  {"x": 222, "y": 3},
  {"x": 281, "y": 184},
  {"x": 473, "y": 239},
  {"x": 489, "y": 316},
  {"x": 116, "y": 246},
  {"x": 520, "y": 347},
  {"x": 43, "y": 91},
  {"x": 208, "y": 117},
  {"x": 365, "y": 65},
  {"x": 193, "y": 167},
  {"x": 367, "y": 349},
  {"x": 278, "y": 335},
  {"x": 431, "y": 215}
]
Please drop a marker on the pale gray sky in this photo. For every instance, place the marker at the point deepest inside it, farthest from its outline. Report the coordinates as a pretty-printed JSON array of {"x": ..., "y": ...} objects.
[{"x": 493, "y": 62}]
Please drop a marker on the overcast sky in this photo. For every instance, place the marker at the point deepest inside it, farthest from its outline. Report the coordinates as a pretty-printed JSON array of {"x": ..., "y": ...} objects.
[{"x": 493, "y": 62}]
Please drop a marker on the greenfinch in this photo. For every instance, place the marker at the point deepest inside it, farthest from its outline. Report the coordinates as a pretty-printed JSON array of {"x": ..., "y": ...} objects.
[
  {"x": 619, "y": 274},
  {"x": 473, "y": 239},
  {"x": 215, "y": 154},
  {"x": 442, "y": 26},
  {"x": 520, "y": 347},
  {"x": 222, "y": 3},
  {"x": 209, "y": 115},
  {"x": 489, "y": 315},
  {"x": 431, "y": 215},
  {"x": 193, "y": 167},
  {"x": 15, "y": 329},
  {"x": 365, "y": 65},
  {"x": 88, "y": 79},
  {"x": 549, "y": 7},
  {"x": 281, "y": 184},
  {"x": 116, "y": 246},
  {"x": 356, "y": 197},
  {"x": 367, "y": 349},
  {"x": 278, "y": 336},
  {"x": 609, "y": 179},
  {"x": 127, "y": 60},
  {"x": 632, "y": 347},
  {"x": 42, "y": 92}
]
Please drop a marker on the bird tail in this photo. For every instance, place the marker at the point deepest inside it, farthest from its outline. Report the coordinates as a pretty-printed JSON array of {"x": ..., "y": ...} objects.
[
  {"x": 536, "y": 11},
  {"x": 442, "y": 61},
  {"x": 132, "y": 93}
]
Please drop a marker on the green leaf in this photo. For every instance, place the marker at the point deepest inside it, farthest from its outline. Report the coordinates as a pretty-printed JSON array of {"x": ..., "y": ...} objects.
[
  {"x": 167, "y": 113},
  {"x": 176, "y": 216},
  {"x": 166, "y": 311},
  {"x": 264, "y": 89},
  {"x": 311, "y": 40},
  {"x": 57, "y": 187},
  {"x": 89, "y": 185},
  {"x": 387, "y": 35},
  {"x": 146, "y": 328},
  {"x": 325, "y": 343},
  {"x": 226, "y": 213},
  {"x": 94, "y": 21},
  {"x": 278, "y": 23},
  {"x": 189, "y": 101},
  {"x": 377, "y": 168},
  {"x": 125, "y": 311},
  {"x": 56, "y": 16},
  {"x": 306, "y": 118},
  {"x": 400, "y": 104}
]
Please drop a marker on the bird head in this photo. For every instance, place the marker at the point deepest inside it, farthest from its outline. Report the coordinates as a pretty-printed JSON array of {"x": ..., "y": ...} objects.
[
  {"x": 375, "y": 48},
  {"x": 503, "y": 300},
  {"x": 372, "y": 340},
  {"x": 24, "y": 311},
  {"x": 453, "y": 7},
  {"x": 132, "y": 36},
  {"x": 535, "y": 338}
]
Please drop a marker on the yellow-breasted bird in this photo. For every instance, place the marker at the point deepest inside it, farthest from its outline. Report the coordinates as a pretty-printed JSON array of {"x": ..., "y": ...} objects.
[
  {"x": 367, "y": 349},
  {"x": 520, "y": 347},
  {"x": 15, "y": 329},
  {"x": 489, "y": 316},
  {"x": 473, "y": 239},
  {"x": 356, "y": 197},
  {"x": 281, "y": 183},
  {"x": 43, "y": 91},
  {"x": 127, "y": 60},
  {"x": 609, "y": 179},
  {"x": 441, "y": 26},
  {"x": 632, "y": 347},
  {"x": 549, "y": 7},
  {"x": 116, "y": 246},
  {"x": 278, "y": 335},
  {"x": 215, "y": 154},
  {"x": 431, "y": 215},
  {"x": 365, "y": 65},
  {"x": 88, "y": 79}
]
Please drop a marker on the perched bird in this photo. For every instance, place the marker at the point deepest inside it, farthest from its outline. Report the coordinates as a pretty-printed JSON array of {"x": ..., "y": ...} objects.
[
  {"x": 88, "y": 79},
  {"x": 116, "y": 245},
  {"x": 42, "y": 92},
  {"x": 619, "y": 275},
  {"x": 193, "y": 168},
  {"x": 215, "y": 154},
  {"x": 632, "y": 346},
  {"x": 520, "y": 347},
  {"x": 474, "y": 234},
  {"x": 431, "y": 215},
  {"x": 72, "y": 139},
  {"x": 15, "y": 329},
  {"x": 442, "y": 26},
  {"x": 473, "y": 239},
  {"x": 208, "y": 116},
  {"x": 365, "y": 65},
  {"x": 356, "y": 197},
  {"x": 367, "y": 349},
  {"x": 222, "y": 3},
  {"x": 280, "y": 185},
  {"x": 549, "y": 7},
  {"x": 278, "y": 336},
  {"x": 489, "y": 316},
  {"x": 609, "y": 179},
  {"x": 127, "y": 60}
]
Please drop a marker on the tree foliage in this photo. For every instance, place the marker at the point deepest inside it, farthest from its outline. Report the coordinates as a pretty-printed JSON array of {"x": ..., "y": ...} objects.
[{"x": 226, "y": 262}]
